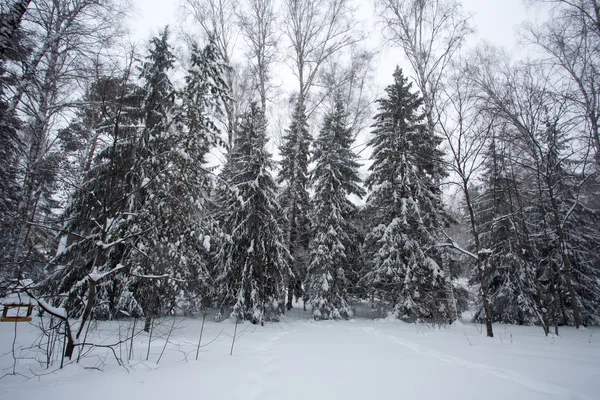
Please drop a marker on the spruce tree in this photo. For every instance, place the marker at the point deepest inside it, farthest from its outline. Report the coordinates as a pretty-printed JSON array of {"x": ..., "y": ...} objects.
[
  {"x": 173, "y": 227},
  {"x": 404, "y": 207},
  {"x": 567, "y": 230},
  {"x": 294, "y": 198},
  {"x": 100, "y": 206},
  {"x": 141, "y": 210},
  {"x": 511, "y": 276},
  {"x": 334, "y": 178},
  {"x": 252, "y": 261},
  {"x": 192, "y": 183},
  {"x": 154, "y": 252},
  {"x": 9, "y": 148}
]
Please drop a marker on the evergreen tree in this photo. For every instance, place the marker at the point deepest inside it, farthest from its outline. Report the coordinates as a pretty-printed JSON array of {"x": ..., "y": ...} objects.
[
  {"x": 9, "y": 146},
  {"x": 173, "y": 228},
  {"x": 511, "y": 278},
  {"x": 192, "y": 183},
  {"x": 253, "y": 259},
  {"x": 335, "y": 178},
  {"x": 140, "y": 218},
  {"x": 153, "y": 252},
  {"x": 101, "y": 206},
  {"x": 404, "y": 207},
  {"x": 294, "y": 197},
  {"x": 567, "y": 235}
]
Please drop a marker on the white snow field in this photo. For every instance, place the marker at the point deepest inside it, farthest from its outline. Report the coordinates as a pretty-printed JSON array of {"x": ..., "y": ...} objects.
[{"x": 302, "y": 359}]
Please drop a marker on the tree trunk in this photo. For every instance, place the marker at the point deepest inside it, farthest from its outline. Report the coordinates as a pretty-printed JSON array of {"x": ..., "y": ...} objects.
[
  {"x": 562, "y": 243},
  {"x": 290, "y": 295},
  {"x": 70, "y": 347},
  {"x": 152, "y": 308},
  {"x": 451, "y": 301},
  {"x": 482, "y": 263},
  {"x": 88, "y": 307},
  {"x": 10, "y": 24}
]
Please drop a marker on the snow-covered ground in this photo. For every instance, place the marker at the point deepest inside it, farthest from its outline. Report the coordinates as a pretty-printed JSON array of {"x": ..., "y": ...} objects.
[{"x": 302, "y": 359}]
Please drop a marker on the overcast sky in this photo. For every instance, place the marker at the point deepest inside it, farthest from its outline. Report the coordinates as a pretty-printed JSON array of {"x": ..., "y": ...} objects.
[{"x": 496, "y": 21}]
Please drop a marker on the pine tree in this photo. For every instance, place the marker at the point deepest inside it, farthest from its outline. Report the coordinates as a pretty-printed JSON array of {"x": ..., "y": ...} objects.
[
  {"x": 294, "y": 197},
  {"x": 150, "y": 255},
  {"x": 511, "y": 278},
  {"x": 567, "y": 235},
  {"x": 9, "y": 146},
  {"x": 101, "y": 206},
  {"x": 335, "y": 178},
  {"x": 192, "y": 183},
  {"x": 174, "y": 225},
  {"x": 404, "y": 207},
  {"x": 253, "y": 259},
  {"x": 140, "y": 220}
]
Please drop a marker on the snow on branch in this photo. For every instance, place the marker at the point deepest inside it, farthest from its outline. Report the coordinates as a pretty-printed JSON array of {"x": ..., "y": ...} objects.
[{"x": 452, "y": 244}]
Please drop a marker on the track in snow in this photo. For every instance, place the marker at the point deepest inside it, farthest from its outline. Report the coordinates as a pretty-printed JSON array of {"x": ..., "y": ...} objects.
[{"x": 304, "y": 360}]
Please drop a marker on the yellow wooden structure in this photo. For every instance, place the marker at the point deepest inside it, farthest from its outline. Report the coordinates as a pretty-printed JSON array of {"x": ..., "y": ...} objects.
[
  {"x": 17, "y": 318},
  {"x": 18, "y": 305}
]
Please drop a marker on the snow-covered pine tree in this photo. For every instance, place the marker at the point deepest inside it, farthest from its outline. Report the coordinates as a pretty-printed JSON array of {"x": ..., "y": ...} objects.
[
  {"x": 152, "y": 256},
  {"x": 511, "y": 279},
  {"x": 9, "y": 140},
  {"x": 334, "y": 178},
  {"x": 191, "y": 183},
  {"x": 566, "y": 229},
  {"x": 294, "y": 197},
  {"x": 252, "y": 261},
  {"x": 404, "y": 207},
  {"x": 173, "y": 225},
  {"x": 101, "y": 205}
]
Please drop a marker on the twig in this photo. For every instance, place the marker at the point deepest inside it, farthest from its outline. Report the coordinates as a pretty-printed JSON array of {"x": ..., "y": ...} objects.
[
  {"x": 150, "y": 338},
  {"x": 132, "y": 336},
  {"x": 13, "y": 350},
  {"x": 471, "y": 344},
  {"x": 201, "y": 331},
  {"x": 234, "y": 333},
  {"x": 216, "y": 337},
  {"x": 167, "y": 340}
]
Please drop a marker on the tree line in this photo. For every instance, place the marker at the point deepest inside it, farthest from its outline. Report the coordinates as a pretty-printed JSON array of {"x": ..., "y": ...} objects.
[{"x": 112, "y": 207}]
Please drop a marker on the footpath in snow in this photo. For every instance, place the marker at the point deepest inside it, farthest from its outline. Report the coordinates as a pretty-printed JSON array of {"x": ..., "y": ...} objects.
[{"x": 301, "y": 359}]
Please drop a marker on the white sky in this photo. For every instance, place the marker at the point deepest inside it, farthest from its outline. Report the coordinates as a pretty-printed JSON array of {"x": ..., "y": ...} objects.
[{"x": 496, "y": 21}]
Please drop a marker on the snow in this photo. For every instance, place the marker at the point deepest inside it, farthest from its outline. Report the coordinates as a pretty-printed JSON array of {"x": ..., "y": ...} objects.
[
  {"x": 299, "y": 359},
  {"x": 62, "y": 245},
  {"x": 96, "y": 276},
  {"x": 59, "y": 311},
  {"x": 206, "y": 243},
  {"x": 17, "y": 298}
]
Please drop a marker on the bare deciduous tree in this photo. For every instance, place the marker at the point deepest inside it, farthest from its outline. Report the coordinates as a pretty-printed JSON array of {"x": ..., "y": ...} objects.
[
  {"x": 429, "y": 32},
  {"x": 524, "y": 96},
  {"x": 217, "y": 20},
  {"x": 571, "y": 38},
  {"x": 258, "y": 28},
  {"x": 316, "y": 30},
  {"x": 348, "y": 76},
  {"x": 465, "y": 128}
]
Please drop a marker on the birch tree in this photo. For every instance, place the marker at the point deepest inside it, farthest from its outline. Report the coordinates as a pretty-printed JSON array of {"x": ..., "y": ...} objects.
[
  {"x": 316, "y": 30},
  {"x": 257, "y": 24},
  {"x": 59, "y": 38},
  {"x": 571, "y": 39}
]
